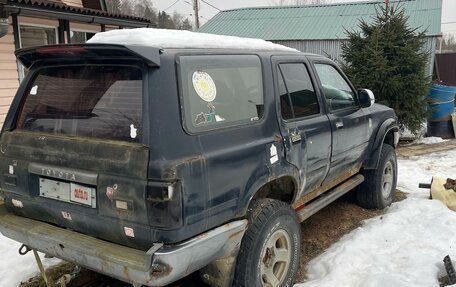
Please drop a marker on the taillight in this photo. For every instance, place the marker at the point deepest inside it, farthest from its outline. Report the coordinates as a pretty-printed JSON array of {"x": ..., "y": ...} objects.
[
  {"x": 164, "y": 204},
  {"x": 60, "y": 49}
]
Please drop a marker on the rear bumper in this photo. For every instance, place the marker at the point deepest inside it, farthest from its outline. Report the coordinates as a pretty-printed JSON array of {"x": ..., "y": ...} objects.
[{"x": 159, "y": 266}]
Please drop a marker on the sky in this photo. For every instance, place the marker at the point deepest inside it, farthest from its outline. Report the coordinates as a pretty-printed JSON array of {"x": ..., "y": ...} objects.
[{"x": 206, "y": 11}]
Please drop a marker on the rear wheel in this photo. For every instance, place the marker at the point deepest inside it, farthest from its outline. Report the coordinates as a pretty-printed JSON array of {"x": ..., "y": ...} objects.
[
  {"x": 270, "y": 250},
  {"x": 379, "y": 187}
]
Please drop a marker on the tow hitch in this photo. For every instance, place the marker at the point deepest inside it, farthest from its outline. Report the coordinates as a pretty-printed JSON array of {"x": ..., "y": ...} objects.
[{"x": 24, "y": 249}]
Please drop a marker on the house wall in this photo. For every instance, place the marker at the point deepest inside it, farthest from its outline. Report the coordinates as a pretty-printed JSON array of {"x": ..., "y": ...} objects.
[
  {"x": 9, "y": 80},
  {"x": 332, "y": 49},
  {"x": 77, "y": 3}
]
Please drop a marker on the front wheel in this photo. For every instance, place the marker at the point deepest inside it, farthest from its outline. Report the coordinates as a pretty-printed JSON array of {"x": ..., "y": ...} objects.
[
  {"x": 271, "y": 247},
  {"x": 379, "y": 187}
]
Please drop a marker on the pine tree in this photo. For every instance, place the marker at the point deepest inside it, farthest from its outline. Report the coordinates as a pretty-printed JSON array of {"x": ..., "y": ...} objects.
[
  {"x": 388, "y": 57},
  {"x": 165, "y": 21}
]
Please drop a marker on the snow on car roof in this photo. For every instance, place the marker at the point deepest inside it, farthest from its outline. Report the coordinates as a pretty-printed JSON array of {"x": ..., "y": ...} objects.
[{"x": 164, "y": 38}]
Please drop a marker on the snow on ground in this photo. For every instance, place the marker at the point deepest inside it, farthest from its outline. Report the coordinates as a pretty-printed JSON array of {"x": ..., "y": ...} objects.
[
  {"x": 404, "y": 247},
  {"x": 164, "y": 38},
  {"x": 429, "y": 140},
  {"x": 15, "y": 268}
]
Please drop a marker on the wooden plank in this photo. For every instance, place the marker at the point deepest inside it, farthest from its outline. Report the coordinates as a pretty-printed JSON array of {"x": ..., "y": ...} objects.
[
  {"x": 7, "y": 93},
  {"x": 85, "y": 27},
  {"x": 7, "y": 47},
  {"x": 8, "y": 65},
  {"x": 9, "y": 39},
  {"x": 2, "y": 120},
  {"x": 4, "y": 110},
  {"x": 5, "y": 101},
  {"x": 9, "y": 84},
  {"x": 37, "y": 21},
  {"x": 7, "y": 57},
  {"x": 8, "y": 74},
  {"x": 76, "y": 3}
]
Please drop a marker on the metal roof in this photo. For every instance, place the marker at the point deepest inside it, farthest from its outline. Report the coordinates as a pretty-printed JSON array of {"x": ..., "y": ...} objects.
[{"x": 317, "y": 22}]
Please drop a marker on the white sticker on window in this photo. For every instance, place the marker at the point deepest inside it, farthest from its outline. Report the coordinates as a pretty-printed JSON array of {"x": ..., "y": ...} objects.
[
  {"x": 34, "y": 90},
  {"x": 133, "y": 131},
  {"x": 11, "y": 169},
  {"x": 204, "y": 86}
]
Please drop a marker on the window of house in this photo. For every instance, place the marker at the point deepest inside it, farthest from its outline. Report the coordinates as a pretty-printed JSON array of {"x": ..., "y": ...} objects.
[
  {"x": 79, "y": 37},
  {"x": 35, "y": 36},
  {"x": 297, "y": 96},
  {"x": 338, "y": 93},
  {"x": 221, "y": 91}
]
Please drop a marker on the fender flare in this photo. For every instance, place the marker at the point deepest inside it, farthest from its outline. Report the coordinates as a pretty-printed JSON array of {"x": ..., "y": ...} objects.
[
  {"x": 376, "y": 147},
  {"x": 250, "y": 193}
]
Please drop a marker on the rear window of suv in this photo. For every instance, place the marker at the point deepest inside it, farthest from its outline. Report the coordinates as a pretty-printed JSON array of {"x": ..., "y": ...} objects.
[
  {"x": 221, "y": 90},
  {"x": 88, "y": 101}
]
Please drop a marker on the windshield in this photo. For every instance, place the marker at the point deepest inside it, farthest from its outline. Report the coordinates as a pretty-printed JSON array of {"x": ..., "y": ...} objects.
[{"x": 90, "y": 101}]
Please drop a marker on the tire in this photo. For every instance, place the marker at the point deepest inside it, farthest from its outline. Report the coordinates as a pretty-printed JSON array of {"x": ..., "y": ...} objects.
[
  {"x": 270, "y": 248},
  {"x": 379, "y": 186}
]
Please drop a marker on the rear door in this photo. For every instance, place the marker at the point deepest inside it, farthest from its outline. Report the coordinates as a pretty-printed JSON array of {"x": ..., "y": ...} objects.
[
  {"x": 304, "y": 124},
  {"x": 76, "y": 156},
  {"x": 349, "y": 123}
]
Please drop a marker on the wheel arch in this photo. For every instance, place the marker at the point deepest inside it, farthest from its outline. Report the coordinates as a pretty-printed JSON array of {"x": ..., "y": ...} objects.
[
  {"x": 387, "y": 133},
  {"x": 283, "y": 187}
]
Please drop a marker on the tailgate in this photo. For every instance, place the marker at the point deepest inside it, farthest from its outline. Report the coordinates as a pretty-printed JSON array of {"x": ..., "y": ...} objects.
[{"x": 88, "y": 185}]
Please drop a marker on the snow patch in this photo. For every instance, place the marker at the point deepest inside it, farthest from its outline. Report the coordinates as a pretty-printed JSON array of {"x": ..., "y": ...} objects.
[
  {"x": 15, "y": 268},
  {"x": 404, "y": 247},
  {"x": 164, "y": 38},
  {"x": 429, "y": 140},
  {"x": 421, "y": 169}
]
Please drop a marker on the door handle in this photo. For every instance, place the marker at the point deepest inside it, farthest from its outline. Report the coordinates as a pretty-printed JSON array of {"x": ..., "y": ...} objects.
[
  {"x": 339, "y": 124},
  {"x": 295, "y": 137}
]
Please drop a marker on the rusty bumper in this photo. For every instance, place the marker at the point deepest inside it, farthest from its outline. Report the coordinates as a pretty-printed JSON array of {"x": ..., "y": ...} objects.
[{"x": 159, "y": 266}]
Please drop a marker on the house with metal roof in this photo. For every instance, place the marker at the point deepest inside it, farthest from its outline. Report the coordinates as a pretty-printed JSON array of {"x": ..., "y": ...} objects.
[
  {"x": 321, "y": 29},
  {"x": 26, "y": 23}
]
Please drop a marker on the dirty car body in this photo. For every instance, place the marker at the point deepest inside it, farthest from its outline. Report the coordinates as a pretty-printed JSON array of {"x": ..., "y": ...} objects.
[{"x": 110, "y": 156}]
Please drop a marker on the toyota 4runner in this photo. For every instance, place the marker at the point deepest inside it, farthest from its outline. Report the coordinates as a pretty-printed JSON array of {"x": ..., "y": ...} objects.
[{"x": 149, "y": 162}]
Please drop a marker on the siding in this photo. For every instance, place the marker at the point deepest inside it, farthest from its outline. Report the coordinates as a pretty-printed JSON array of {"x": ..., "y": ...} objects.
[
  {"x": 332, "y": 49},
  {"x": 77, "y": 3},
  {"x": 9, "y": 80},
  {"x": 328, "y": 48},
  {"x": 85, "y": 27}
]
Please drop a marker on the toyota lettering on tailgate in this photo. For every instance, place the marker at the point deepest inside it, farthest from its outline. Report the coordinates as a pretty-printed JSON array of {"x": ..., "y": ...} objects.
[{"x": 58, "y": 174}]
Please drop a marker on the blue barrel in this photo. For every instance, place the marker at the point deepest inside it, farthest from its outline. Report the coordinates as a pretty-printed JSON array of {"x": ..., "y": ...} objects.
[{"x": 441, "y": 106}]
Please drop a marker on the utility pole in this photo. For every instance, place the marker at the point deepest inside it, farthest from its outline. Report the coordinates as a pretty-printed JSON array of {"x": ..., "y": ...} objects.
[{"x": 195, "y": 13}]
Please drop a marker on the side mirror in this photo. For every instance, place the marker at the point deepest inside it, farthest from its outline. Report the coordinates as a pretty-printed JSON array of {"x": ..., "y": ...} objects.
[{"x": 366, "y": 98}]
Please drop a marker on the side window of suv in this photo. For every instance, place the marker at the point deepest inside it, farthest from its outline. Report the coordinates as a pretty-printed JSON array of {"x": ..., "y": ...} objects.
[
  {"x": 297, "y": 94},
  {"x": 337, "y": 91},
  {"x": 221, "y": 91}
]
